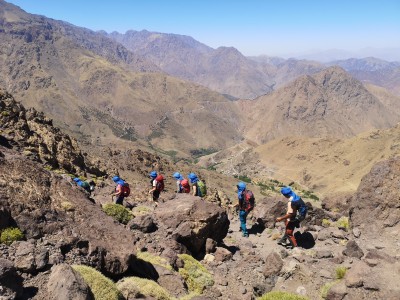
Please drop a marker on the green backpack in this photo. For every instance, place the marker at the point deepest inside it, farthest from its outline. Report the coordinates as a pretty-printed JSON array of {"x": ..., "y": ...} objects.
[
  {"x": 202, "y": 188},
  {"x": 85, "y": 185}
]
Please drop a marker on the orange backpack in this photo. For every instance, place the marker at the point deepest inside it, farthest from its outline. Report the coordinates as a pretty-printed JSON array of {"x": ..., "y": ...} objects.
[{"x": 160, "y": 183}]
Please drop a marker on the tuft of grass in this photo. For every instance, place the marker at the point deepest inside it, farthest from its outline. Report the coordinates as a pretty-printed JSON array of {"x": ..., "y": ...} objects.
[
  {"x": 132, "y": 287},
  {"x": 67, "y": 206},
  {"x": 118, "y": 212},
  {"x": 326, "y": 223},
  {"x": 325, "y": 288},
  {"x": 279, "y": 295},
  {"x": 102, "y": 287},
  {"x": 340, "y": 272},
  {"x": 154, "y": 259},
  {"x": 10, "y": 235},
  {"x": 343, "y": 222},
  {"x": 196, "y": 276}
]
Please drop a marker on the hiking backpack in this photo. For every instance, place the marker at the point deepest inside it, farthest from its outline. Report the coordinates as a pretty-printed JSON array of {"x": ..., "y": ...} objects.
[
  {"x": 85, "y": 186},
  {"x": 202, "y": 189},
  {"x": 160, "y": 183},
  {"x": 248, "y": 200},
  {"x": 185, "y": 186},
  {"x": 125, "y": 189},
  {"x": 302, "y": 211}
]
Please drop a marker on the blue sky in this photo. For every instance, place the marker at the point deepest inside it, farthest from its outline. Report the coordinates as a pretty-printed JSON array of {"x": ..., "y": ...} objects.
[{"x": 254, "y": 27}]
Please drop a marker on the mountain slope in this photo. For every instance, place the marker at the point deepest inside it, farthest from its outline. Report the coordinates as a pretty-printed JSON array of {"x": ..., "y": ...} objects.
[
  {"x": 97, "y": 89},
  {"x": 373, "y": 70},
  {"x": 224, "y": 70},
  {"x": 329, "y": 103}
]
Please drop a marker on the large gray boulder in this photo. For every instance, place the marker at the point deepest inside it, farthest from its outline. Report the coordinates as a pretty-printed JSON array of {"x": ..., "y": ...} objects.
[
  {"x": 66, "y": 284},
  {"x": 191, "y": 221},
  {"x": 10, "y": 282}
]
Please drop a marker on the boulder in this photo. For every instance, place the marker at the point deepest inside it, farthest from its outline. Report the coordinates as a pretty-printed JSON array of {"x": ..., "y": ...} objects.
[
  {"x": 192, "y": 221},
  {"x": 273, "y": 264},
  {"x": 10, "y": 281},
  {"x": 356, "y": 275},
  {"x": 337, "y": 292},
  {"x": 222, "y": 254},
  {"x": 377, "y": 199},
  {"x": 353, "y": 250},
  {"x": 144, "y": 223},
  {"x": 66, "y": 284}
]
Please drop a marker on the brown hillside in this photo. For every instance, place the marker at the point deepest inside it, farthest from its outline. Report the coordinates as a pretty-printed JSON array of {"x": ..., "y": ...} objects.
[
  {"x": 96, "y": 89},
  {"x": 326, "y": 165},
  {"x": 329, "y": 103}
]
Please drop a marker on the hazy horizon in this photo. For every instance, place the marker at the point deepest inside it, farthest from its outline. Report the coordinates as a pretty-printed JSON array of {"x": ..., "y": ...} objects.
[{"x": 255, "y": 28}]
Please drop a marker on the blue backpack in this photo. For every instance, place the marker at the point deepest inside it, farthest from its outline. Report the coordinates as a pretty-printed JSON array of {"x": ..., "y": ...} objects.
[{"x": 301, "y": 211}]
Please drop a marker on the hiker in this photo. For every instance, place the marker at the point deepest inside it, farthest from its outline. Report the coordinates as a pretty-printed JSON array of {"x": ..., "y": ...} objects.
[
  {"x": 83, "y": 184},
  {"x": 157, "y": 185},
  {"x": 182, "y": 184},
  {"x": 245, "y": 204},
  {"x": 198, "y": 186},
  {"x": 122, "y": 190},
  {"x": 296, "y": 212}
]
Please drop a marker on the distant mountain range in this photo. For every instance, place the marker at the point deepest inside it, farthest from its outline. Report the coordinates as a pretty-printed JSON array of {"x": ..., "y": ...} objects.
[{"x": 388, "y": 54}]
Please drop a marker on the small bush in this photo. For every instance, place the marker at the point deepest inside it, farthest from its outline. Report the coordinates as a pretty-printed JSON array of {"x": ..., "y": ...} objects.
[
  {"x": 279, "y": 295},
  {"x": 118, "y": 212},
  {"x": 102, "y": 287},
  {"x": 10, "y": 235},
  {"x": 343, "y": 222},
  {"x": 154, "y": 259},
  {"x": 196, "y": 276},
  {"x": 340, "y": 272}
]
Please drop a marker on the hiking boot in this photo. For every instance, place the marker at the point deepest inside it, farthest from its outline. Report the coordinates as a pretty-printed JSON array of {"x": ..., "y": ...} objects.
[
  {"x": 246, "y": 235},
  {"x": 283, "y": 243},
  {"x": 289, "y": 246}
]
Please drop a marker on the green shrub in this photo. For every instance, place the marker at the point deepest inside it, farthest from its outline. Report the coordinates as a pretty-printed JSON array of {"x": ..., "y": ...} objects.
[
  {"x": 10, "y": 235},
  {"x": 340, "y": 272},
  {"x": 196, "y": 276},
  {"x": 343, "y": 222},
  {"x": 118, "y": 212},
  {"x": 154, "y": 259},
  {"x": 132, "y": 287},
  {"x": 102, "y": 287},
  {"x": 279, "y": 295}
]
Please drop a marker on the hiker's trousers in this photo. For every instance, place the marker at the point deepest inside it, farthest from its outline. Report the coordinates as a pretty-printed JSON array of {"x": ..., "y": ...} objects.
[
  {"x": 290, "y": 226},
  {"x": 242, "y": 217}
]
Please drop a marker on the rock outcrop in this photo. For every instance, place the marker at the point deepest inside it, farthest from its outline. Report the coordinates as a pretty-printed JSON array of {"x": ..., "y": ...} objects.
[
  {"x": 33, "y": 134},
  {"x": 191, "y": 220}
]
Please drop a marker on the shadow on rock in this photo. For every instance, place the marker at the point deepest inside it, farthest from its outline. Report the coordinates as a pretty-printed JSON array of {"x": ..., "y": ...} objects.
[
  {"x": 256, "y": 228},
  {"x": 304, "y": 240}
]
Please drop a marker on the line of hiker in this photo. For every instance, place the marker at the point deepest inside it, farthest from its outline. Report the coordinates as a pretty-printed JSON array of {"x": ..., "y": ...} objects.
[{"x": 295, "y": 213}]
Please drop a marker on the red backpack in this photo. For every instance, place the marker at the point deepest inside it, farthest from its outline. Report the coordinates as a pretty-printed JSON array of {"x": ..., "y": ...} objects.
[
  {"x": 125, "y": 189},
  {"x": 249, "y": 200},
  {"x": 160, "y": 183},
  {"x": 185, "y": 186}
]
